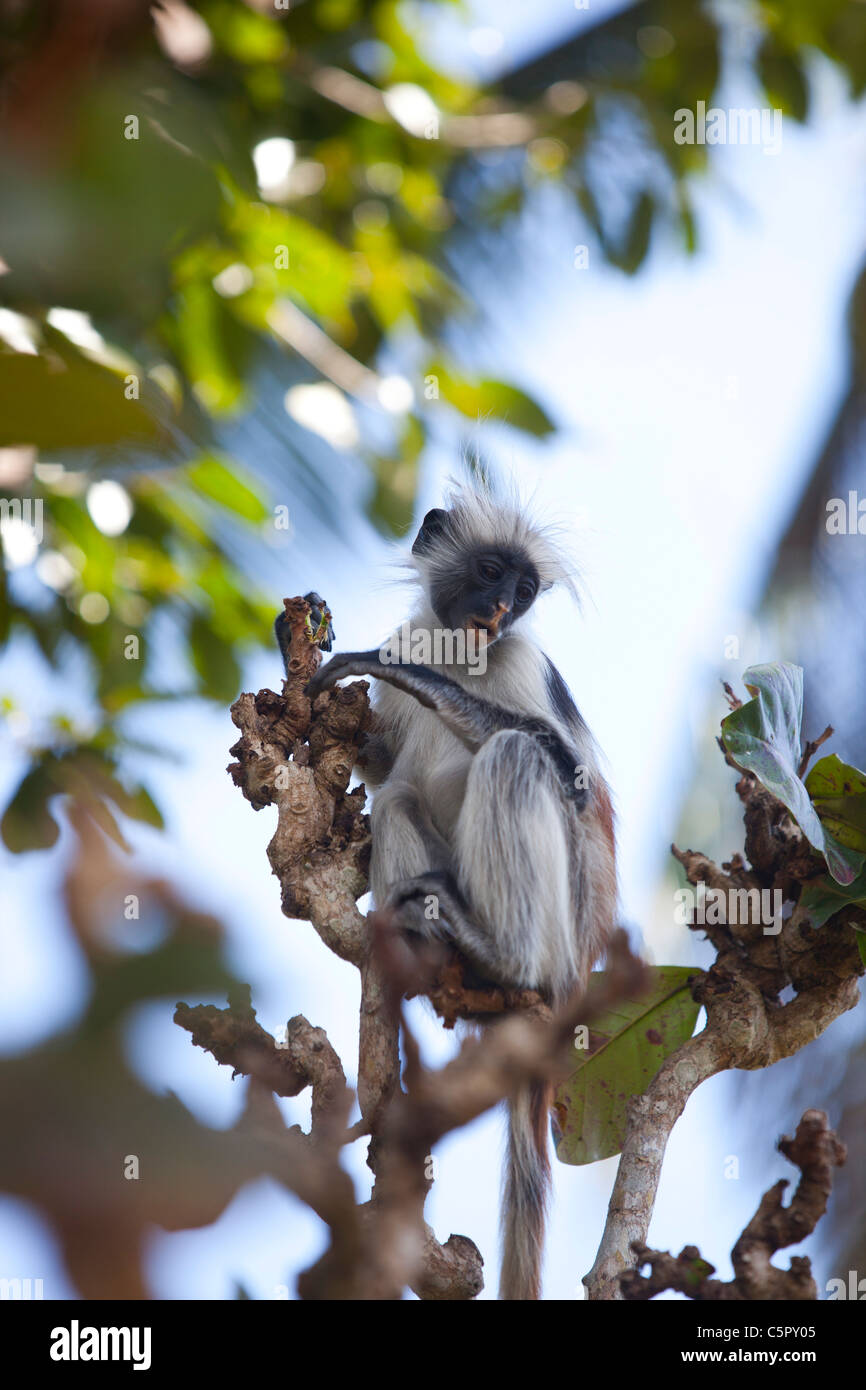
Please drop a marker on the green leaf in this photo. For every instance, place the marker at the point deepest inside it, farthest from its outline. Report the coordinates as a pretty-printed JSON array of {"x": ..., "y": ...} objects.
[
  {"x": 822, "y": 897},
  {"x": 5, "y": 610},
  {"x": 227, "y": 486},
  {"x": 214, "y": 661},
  {"x": 483, "y": 398},
  {"x": 637, "y": 240},
  {"x": 392, "y": 504},
  {"x": 627, "y": 1046},
  {"x": 245, "y": 35},
  {"x": 764, "y": 737},
  {"x": 138, "y": 804},
  {"x": 105, "y": 819},
  {"x": 838, "y": 793},
  {"x": 188, "y": 961},
  {"x": 61, "y": 400},
  {"x": 202, "y": 334},
  {"x": 320, "y": 274},
  {"x": 90, "y": 779},
  {"x": 27, "y": 822},
  {"x": 784, "y": 80}
]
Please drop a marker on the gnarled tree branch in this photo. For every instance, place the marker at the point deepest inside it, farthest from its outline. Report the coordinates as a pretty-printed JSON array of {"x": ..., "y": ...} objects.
[
  {"x": 748, "y": 1026},
  {"x": 816, "y": 1151}
]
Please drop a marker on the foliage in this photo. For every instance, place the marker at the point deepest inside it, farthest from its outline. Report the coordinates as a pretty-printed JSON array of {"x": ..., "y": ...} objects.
[
  {"x": 155, "y": 276},
  {"x": 764, "y": 737},
  {"x": 624, "y": 1051},
  {"x": 626, "y": 1047}
]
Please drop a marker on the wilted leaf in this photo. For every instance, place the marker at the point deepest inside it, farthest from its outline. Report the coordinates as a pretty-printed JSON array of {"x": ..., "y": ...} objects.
[
  {"x": 838, "y": 793},
  {"x": 764, "y": 737},
  {"x": 627, "y": 1046}
]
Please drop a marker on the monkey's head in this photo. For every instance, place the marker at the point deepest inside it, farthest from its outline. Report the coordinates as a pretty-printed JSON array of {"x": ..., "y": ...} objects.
[{"x": 483, "y": 563}]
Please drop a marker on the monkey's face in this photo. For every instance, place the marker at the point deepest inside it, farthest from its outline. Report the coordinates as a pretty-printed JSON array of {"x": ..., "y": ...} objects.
[{"x": 487, "y": 593}]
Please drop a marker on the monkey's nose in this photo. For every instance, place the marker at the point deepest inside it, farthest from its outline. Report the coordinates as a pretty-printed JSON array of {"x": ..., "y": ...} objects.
[{"x": 501, "y": 610}]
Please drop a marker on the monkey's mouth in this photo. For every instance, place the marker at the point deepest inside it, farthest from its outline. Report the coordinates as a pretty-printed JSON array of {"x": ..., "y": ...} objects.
[{"x": 487, "y": 628}]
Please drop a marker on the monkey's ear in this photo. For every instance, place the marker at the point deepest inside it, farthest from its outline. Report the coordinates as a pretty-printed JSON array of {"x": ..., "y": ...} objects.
[{"x": 432, "y": 527}]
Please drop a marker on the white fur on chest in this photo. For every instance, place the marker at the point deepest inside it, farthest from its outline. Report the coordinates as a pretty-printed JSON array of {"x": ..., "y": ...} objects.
[{"x": 429, "y": 756}]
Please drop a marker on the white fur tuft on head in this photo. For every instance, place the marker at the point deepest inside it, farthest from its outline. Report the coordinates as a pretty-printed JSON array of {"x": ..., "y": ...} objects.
[{"x": 476, "y": 518}]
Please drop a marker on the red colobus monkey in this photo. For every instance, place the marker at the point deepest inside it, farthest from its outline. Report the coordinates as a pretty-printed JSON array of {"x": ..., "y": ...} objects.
[{"x": 488, "y": 796}]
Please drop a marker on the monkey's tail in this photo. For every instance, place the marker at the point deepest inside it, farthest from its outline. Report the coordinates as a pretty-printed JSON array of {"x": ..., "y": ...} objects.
[{"x": 525, "y": 1192}]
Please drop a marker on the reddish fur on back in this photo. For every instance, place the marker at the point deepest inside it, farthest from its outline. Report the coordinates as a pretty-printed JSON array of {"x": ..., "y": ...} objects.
[{"x": 604, "y": 811}]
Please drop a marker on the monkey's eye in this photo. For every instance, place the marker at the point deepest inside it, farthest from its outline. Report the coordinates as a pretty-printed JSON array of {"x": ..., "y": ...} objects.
[
  {"x": 525, "y": 592},
  {"x": 490, "y": 572}
]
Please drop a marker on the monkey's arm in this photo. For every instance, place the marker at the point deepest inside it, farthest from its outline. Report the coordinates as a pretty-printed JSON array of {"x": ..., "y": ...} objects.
[
  {"x": 376, "y": 756},
  {"x": 470, "y": 718}
]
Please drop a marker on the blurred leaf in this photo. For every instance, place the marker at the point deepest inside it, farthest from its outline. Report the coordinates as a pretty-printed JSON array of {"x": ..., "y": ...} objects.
[
  {"x": 27, "y": 822},
  {"x": 214, "y": 661},
  {"x": 139, "y": 805},
  {"x": 88, "y": 775},
  {"x": 59, "y": 399},
  {"x": 82, "y": 1115},
  {"x": 101, "y": 812},
  {"x": 202, "y": 331},
  {"x": 5, "y": 613},
  {"x": 637, "y": 241},
  {"x": 190, "y": 962},
  {"x": 392, "y": 504},
  {"x": 227, "y": 486},
  {"x": 784, "y": 80},
  {"x": 244, "y": 34},
  {"x": 289, "y": 256},
  {"x": 99, "y": 231},
  {"x": 482, "y": 398}
]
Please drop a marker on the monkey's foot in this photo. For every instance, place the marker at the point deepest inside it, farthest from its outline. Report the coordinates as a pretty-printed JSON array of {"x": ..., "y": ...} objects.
[{"x": 424, "y": 906}]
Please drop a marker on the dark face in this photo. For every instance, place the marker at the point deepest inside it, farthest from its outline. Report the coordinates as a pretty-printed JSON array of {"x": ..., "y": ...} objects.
[
  {"x": 494, "y": 589},
  {"x": 488, "y": 592}
]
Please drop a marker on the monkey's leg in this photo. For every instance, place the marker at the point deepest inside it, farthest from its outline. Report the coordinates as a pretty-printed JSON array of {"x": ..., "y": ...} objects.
[
  {"x": 513, "y": 849},
  {"x": 411, "y": 871},
  {"x": 406, "y": 844}
]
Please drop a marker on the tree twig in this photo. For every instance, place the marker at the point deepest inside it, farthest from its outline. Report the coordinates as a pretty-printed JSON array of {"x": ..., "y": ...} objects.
[{"x": 816, "y": 1151}]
